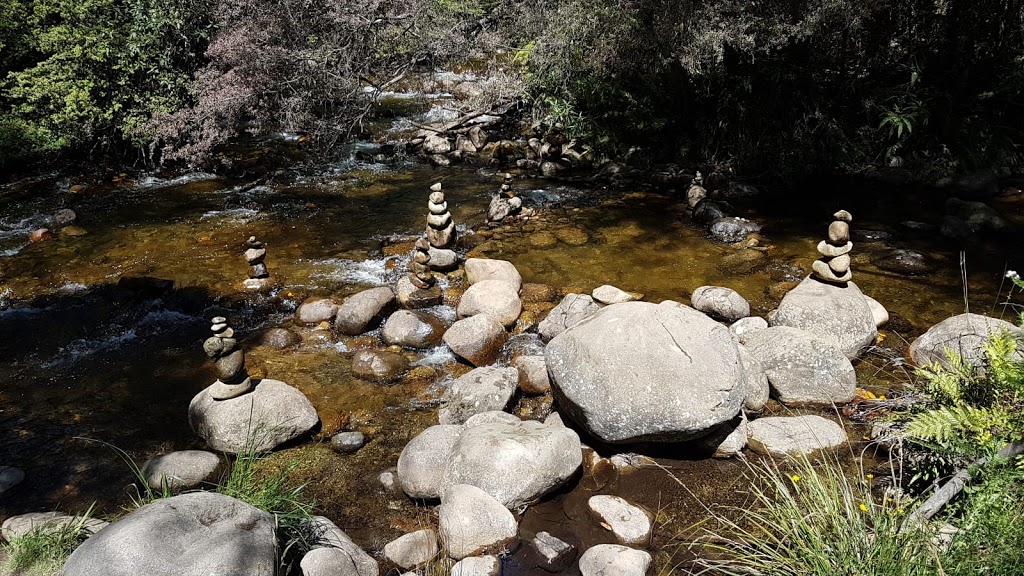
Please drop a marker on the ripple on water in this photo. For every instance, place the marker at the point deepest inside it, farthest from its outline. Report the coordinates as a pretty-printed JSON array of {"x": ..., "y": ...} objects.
[
  {"x": 233, "y": 215},
  {"x": 116, "y": 336},
  {"x": 370, "y": 272},
  {"x": 152, "y": 182}
]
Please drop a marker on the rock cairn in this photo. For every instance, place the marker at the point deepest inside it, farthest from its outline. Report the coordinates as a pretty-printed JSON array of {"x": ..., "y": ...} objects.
[
  {"x": 834, "y": 265},
  {"x": 504, "y": 203},
  {"x": 440, "y": 226},
  {"x": 696, "y": 192},
  {"x": 255, "y": 254},
  {"x": 421, "y": 276},
  {"x": 222, "y": 347}
]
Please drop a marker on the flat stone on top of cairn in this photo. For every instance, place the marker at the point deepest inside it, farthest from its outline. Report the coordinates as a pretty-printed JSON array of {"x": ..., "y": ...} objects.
[
  {"x": 440, "y": 226},
  {"x": 834, "y": 265},
  {"x": 255, "y": 254},
  {"x": 229, "y": 359}
]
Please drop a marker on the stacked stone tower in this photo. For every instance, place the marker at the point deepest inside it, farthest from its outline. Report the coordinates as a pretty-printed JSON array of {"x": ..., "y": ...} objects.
[
  {"x": 255, "y": 254},
  {"x": 834, "y": 265},
  {"x": 229, "y": 359}
]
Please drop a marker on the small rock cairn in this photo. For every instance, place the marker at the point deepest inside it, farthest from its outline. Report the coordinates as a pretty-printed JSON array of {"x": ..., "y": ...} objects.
[
  {"x": 504, "y": 203},
  {"x": 421, "y": 276},
  {"x": 834, "y": 265},
  {"x": 222, "y": 347},
  {"x": 440, "y": 226},
  {"x": 255, "y": 254}
]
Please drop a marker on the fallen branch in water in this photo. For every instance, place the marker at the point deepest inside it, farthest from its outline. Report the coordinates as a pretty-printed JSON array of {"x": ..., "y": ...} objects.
[{"x": 956, "y": 484}]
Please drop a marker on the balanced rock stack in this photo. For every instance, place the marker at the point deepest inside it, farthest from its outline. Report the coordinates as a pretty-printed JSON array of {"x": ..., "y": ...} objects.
[
  {"x": 255, "y": 254},
  {"x": 834, "y": 265},
  {"x": 420, "y": 266},
  {"x": 232, "y": 379},
  {"x": 504, "y": 203},
  {"x": 419, "y": 289},
  {"x": 440, "y": 226}
]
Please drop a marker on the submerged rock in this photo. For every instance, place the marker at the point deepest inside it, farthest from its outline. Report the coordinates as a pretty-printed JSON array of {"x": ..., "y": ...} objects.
[
  {"x": 638, "y": 371},
  {"x": 732, "y": 229},
  {"x": 379, "y": 365}
]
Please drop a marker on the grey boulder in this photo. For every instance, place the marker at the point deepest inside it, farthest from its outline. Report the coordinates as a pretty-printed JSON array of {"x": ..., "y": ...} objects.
[
  {"x": 316, "y": 310},
  {"x": 638, "y": 371},
  {"x": 630, "y": 524},
  {"x": 480, "y": 269},
  {"x": 614, "y": 560},
  {"x": 533, "y": 374},
  {"x": 413, "y": 329},
  {"x": 965, "y": 334},
  {"x": 720, "y": 303},
  {"x": 413, "y": 549},
  {"x": 182, "y": 470},
  {"x": 495, "y": 298},
  {"x": 363, "y": 311},
  {"x": 345, "y": 560},
  {"x": 477, "y": 339},
  {"x": 803, "y": 368},
  {"x": 794, "y": 435},
  {"x": 837, "y": 313},
  {"x": 484, "y": 389},
  {"x": 471, "y": 522},
  {"x": 190, "y": 534},
  {"x": 422, "y": 462},
  {"x": 272, "y": 414},
  {"x": 572, "y": 310}
]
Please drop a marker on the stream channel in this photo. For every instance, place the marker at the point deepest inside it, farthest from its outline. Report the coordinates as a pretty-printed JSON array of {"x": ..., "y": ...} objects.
[{"x": 86, "y": 361}]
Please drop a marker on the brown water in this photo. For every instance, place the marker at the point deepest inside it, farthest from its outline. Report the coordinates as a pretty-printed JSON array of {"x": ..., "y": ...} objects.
[{"x": 84, "y": 361}]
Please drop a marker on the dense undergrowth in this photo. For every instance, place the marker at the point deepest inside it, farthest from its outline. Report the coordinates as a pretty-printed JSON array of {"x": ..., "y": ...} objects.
[{"x": 773, "y": 87}]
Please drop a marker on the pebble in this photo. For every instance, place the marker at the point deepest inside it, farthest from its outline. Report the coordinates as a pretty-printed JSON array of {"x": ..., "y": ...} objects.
[{"x": 347, "y": 442}]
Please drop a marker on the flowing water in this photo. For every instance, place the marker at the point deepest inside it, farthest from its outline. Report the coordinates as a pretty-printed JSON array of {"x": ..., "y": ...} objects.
[{"x": 90, "y": 360}]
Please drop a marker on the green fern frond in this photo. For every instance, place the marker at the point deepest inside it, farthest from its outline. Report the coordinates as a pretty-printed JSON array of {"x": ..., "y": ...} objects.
[
  {"x": 1005, "y": 367},
  {"x": 949, "y": 423}
]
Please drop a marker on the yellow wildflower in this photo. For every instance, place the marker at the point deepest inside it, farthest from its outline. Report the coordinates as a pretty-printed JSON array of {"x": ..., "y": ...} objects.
[
  {"x": 795, "y": 477},
  {"x": 863, "y": 507},
  {"x": 870, "y": 476}
]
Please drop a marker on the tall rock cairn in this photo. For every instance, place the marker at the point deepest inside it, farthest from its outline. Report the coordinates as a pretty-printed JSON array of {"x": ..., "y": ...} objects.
[
  {"x": 255, "y": 254},
  {"x": 421, "y": 276},
  {"x": 440, "y": 226},
  {"x": 229, "y": 359},
  {"x": 834, "y": 265}
]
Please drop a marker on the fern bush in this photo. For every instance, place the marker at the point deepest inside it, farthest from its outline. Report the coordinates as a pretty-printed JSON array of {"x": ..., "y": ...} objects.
[{"x": 973, "y": 411}]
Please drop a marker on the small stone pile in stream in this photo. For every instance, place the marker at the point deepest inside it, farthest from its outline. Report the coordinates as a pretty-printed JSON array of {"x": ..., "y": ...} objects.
[
  {"x": 232, "y": 379},
  {"x": 420, "y": 266},
  {"x": 834, "y": 265},
  {"x": 255, "y": 254},
  {"x": 419, "y": 288},
  {"x": 505, "y": 203},
  {"x": 440, "y": 226}
]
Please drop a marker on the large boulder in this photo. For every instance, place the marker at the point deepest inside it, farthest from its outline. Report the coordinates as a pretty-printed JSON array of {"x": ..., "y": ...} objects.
[
  {"x": 272, "y": 414},
  {"x": 572, "y": 310},
  {"x": 533, "y": 374},
  {"x": 364, "y": 311},
  {"x": 794, "y": 435},
  {"x": 638, "y": 371},
  {"x": 422, "y": 462},
  {"x": 182, "y": 470},
  {"x": 495, "y": 298},
  {"x": 758, "y": 387},
  {"x": 484, "y": 389},
  {"x": 477, "y": 339},
  {"x": 413, "y": 549},
  {"x": 837, "y": 313},
  {"x": 803, "y": 368},
  {"x": 614, "y": 560},
  {"x": 480, "y": 269},
  {"x": 413, "y": 329},
  {"x": 472, "y": 522},
  {"x": 194, "y": 533},
  {"x": 720, "y": 303},
  {"x": 515, "y": 462},
  {"x": 964, "y": 334}
]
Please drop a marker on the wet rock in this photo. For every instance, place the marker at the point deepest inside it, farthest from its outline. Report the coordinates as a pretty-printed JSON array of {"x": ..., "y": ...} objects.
[
  {"x": 346, "y": 560},
  {"x": 413, "y": 549},
  {"x": 347, "y": 442},
  {"x": 484, "y": 389},
  {"x": 471, "y": 522},
  {"x": 744, "y": 327},
  {"x": 572, "y": 235},
  {"x": 533, "y": 374},
  {"x": 194, "y": 533},
  {"x": 281, "y": 338},
  {"x": 64, "y": 217},
  {"x": 497, "y": 299},
  {"x": 442, "y": 259},
  {"x": 554, "y": 555},
  {"x": 903, "y": 261},
  {"x": 316, "y": 310},
  {"x": 758, "y": 388},
  {"x": 630, "y": 524},
  {"x": 572, "y": 310},
  {"x": 803, "y": 368},
  {"x": 490, "y": 417},
  {"x": 21, "y": 524},
  {"x": 477, "y": 339},
  {"x": 727, "y": 441},
  {"x": 537, "y": 293},
  {"x": 364, "y": 311},
  {"x": 379, "y": 365},
  {"x": 955, "y": 228},
  {"x": 836, "y": 313},
  {"x": 878, "y": 312},
  {"x": 742, "y": 262},
  {"x": 543, "y": 240},
  {"x": 182, "y": 470},
  {"x": 413, "y": 329},
  {"x": 732, "y": 229},
  {"x": 794, "y": 435},
  {"x": 611, "y": 295},
  {"x": 720, "y": 303},
  {"x": 422, "y": 463},
  {"x": 980, "y": 217},
  {"x": 707, "y": 211},
  {"x": 410, "y": 296},
  {"x": 624, "y": 372},
  {"x": 478, "y": 566},
  {"x": 613, "y": 559},
  {"x": 40, "y": 235},
  {"x": 10, "y": 477},
  {"x": 436, "y": 144},
  {"x": 73, "y": 231},
  {"x": 323, "y": 533},
  {"x": 272, "y": 414},
  {"x": 480, "y": 269},
  {"x": 517, "y": 463},
  {"x": 965, "y": 334}
]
